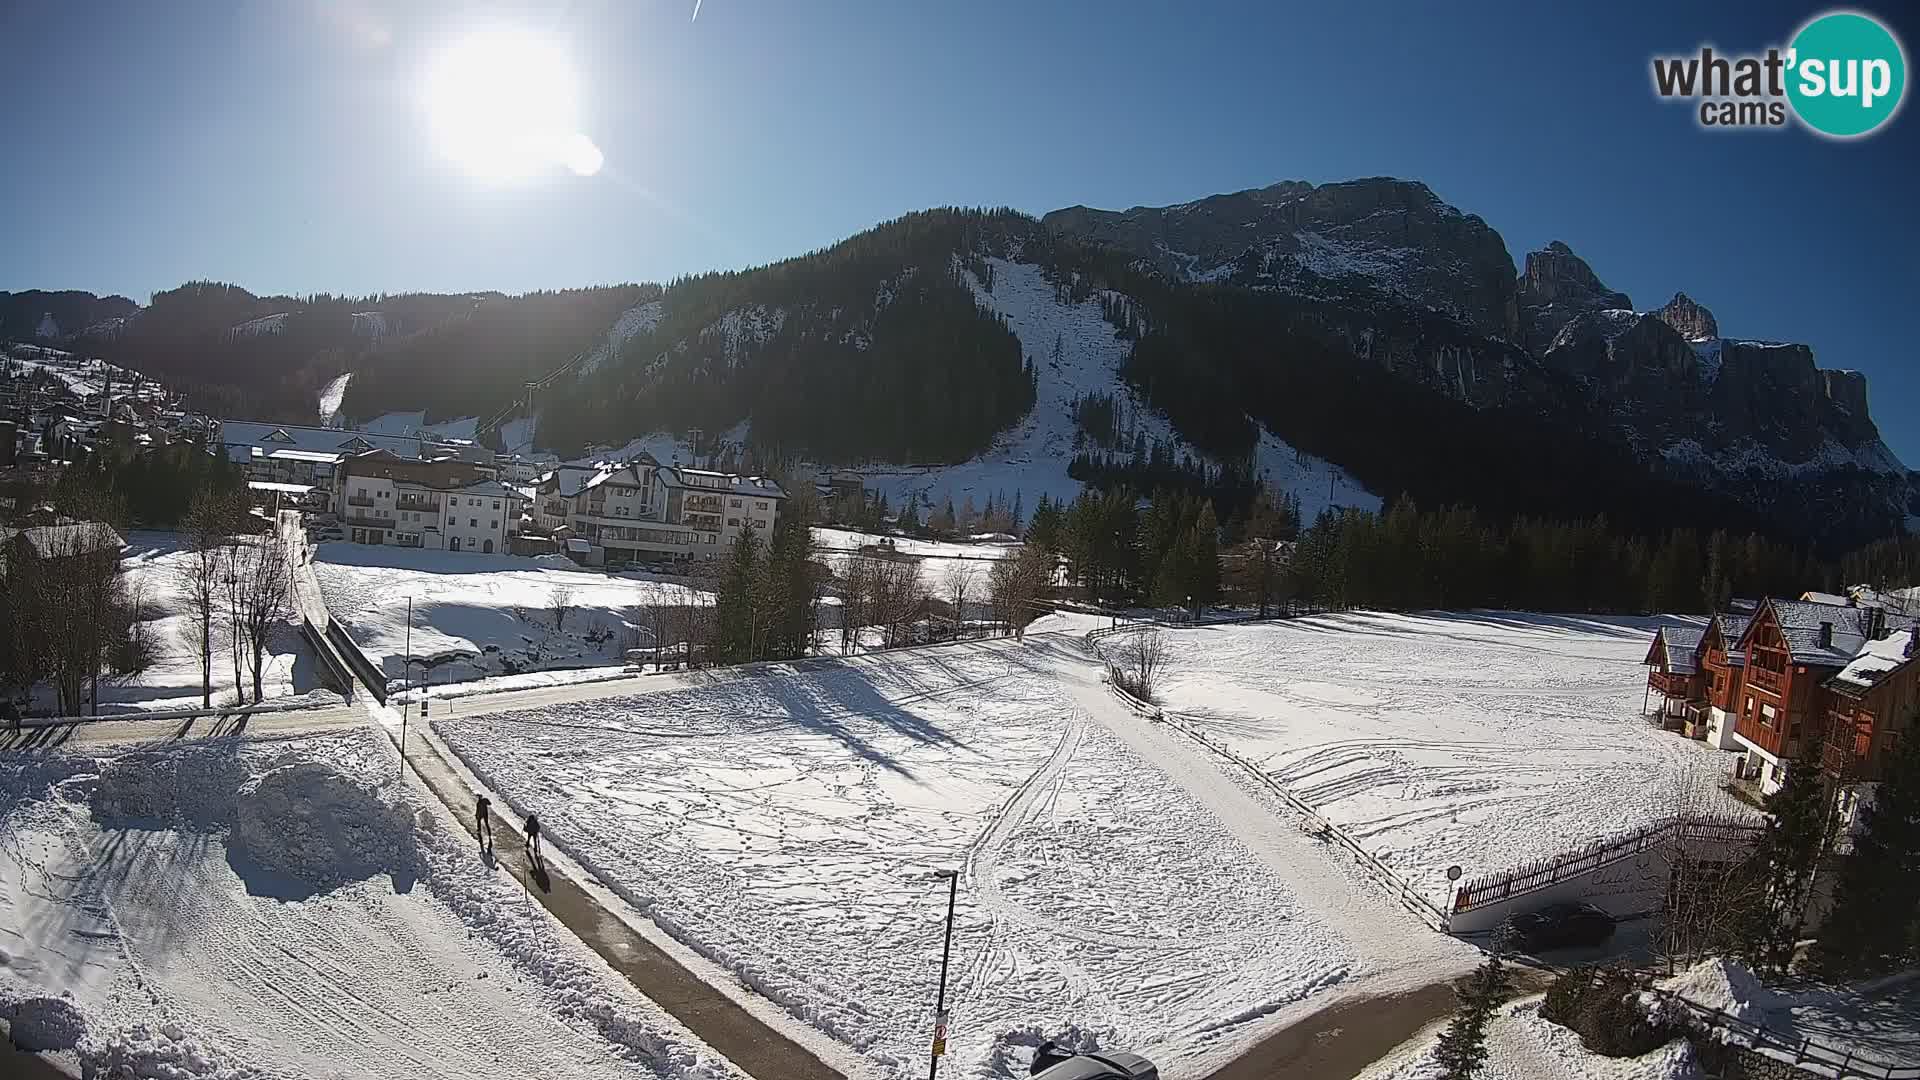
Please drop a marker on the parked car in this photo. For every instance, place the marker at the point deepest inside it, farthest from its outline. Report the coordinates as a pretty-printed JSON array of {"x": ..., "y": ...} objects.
[
  {"x": 1050, "y": 1063},
  {"x": 1558, "y": 926}
]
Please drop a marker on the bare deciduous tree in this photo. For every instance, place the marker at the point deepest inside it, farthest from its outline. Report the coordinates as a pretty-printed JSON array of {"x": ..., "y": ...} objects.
[
  {"x": 1016, "y": 584},
  {"x": 958, "y": 580},
  {"x": 560, "y": 602},
  {"x": 857, "y": 584},
  {"x": 257, "y": 575},
  {"x": 899, "y": 597},
  {"x": 1138, "y": 661},
  {"x": 1714, "y": 886},
  {"x": 197, "y": 580}
]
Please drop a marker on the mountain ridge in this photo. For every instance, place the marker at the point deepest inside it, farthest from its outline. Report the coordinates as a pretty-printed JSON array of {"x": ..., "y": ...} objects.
[{"x": 843, "y": 355}]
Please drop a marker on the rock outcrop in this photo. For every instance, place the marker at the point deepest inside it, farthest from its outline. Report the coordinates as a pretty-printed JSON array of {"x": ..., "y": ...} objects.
[
  {"x": 1694, "y": 322},
  {"x": 1393, "y": 236},
  {"x": 1557, "y": 287}
]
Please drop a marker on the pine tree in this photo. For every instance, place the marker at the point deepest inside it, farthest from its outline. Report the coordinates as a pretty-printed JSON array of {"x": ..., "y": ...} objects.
[
  {"x": 735, "y": 601},
  {"x": 1463, "y": 1046},
  {"x": 1786, "y": 856},
  {"x": 1019, "y": 515},
  {"x": 1875, "y": 924}
]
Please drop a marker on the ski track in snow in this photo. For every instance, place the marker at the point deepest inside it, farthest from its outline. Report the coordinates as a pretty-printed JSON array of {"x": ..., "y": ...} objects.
[
  {"x": 1115, "y": 883},
  {"x": 331, "y": 395}
]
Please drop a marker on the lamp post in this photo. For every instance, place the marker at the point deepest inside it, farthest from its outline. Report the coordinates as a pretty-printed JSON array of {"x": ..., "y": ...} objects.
[{"x": 946, "y": 953}]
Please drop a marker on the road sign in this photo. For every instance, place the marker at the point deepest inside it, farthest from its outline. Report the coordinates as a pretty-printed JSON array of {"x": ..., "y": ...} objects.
[
  {"x": 940, "y": 1035},
  {"x": 1453, "y": 873}
]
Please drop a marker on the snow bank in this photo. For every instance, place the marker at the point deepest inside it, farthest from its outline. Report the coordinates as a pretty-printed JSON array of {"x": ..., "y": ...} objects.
[
  {"x": 315, "y": 823},
  {"x": 149, "y": 884},
  {"x": 1723, "y": 984},
  {"x": 45, "y": 1023},
  {"x": 164, "y": 1051},
  {"x": 1011, "y": 1057}
]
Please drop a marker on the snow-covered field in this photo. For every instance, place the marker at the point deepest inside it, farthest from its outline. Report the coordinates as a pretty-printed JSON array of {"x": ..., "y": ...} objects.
[
  {"x": 290, "y": 910},
  {"x": 1522, "y": 1045},
  {"x": 1480, "y": 739},
  {"x": 480, "y": 615},
  {"x": 937, "y": 557},
  {"x": 791, "y": 825},
  {"x": 151, "y": 566}
]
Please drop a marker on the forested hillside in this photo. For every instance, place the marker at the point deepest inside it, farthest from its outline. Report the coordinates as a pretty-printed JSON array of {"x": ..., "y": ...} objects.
[{"x": 874, "y": 349}]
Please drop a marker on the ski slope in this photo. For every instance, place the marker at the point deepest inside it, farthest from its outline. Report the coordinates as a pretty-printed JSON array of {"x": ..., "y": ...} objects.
[
  {"x": 1482, "y": 739},
  {"x": 290, "y": 910},
  {"x": 1032, "y": 458},
  {"x": 789, "y": 822}
]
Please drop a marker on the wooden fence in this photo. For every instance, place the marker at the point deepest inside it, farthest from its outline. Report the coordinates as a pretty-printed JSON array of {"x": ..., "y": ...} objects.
[{"x": 1495, "y": 888}]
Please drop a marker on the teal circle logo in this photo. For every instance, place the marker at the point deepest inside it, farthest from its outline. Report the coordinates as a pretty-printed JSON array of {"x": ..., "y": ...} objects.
[{"x": 1846, "y": 74}]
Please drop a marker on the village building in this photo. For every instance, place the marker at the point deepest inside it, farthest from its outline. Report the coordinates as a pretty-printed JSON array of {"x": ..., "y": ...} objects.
[
  {"x": 444, "y": 504},
  {"x": 641, "y": 511}
]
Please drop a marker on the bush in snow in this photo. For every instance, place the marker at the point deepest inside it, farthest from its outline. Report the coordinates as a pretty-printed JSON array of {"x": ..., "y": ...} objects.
[{"x": 1603, "y": 1005}]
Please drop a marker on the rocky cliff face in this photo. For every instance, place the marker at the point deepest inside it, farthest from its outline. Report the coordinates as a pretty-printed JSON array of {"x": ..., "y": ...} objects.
[
  {"x": 1694, "y": 322},
  {"x": 1391, "y": 236},
  {"x": 1556, "y": 288}
]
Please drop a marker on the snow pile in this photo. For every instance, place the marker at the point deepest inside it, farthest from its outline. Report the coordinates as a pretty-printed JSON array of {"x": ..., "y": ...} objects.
[
  {"x": 1011, "y": 1057},
  {"x": 1723, "y": 984},
  {"x": 331, "y": 395},
  {"x": 188, "y": 959},
  {"x": 313, "y": 822},
  {"x": 45, "y": 1023},
  {"x": 147, "y": 790},
  {"x": 164, "y": 1051}
]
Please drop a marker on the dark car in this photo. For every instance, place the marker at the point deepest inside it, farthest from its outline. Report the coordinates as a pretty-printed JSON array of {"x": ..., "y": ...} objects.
[
  {"x": 1052, "y": 1064},
  {"x": 1558, "y": 926}
]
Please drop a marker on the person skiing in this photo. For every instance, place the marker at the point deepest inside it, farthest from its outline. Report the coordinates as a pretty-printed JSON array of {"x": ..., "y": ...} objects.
[
  {"x": 482, "y": 824},
  {"x": 533, "y": 837}
]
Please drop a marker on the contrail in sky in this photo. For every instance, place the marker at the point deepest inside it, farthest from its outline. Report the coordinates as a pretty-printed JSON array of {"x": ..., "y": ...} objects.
[{"x": 696, "y": 11}]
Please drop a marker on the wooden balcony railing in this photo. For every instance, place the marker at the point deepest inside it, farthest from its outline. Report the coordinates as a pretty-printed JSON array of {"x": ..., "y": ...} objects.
[{"x": 1766, "y": 679}]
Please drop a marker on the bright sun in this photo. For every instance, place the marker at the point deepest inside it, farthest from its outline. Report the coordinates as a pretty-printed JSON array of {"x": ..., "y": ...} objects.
[{"x": 505, "y": 107}]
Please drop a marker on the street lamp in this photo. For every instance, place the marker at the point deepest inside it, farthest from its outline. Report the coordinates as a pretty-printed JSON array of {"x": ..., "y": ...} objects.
[{"x": 946, "y": 952}]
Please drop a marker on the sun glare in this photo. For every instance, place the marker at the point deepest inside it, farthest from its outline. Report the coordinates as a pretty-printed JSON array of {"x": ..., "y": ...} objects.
[{"x": 505, "y": 107}]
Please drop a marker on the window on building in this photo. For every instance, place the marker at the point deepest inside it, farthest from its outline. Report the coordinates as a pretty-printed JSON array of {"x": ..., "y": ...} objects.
[
  {"x": 735, "y": 503},
  {"x": 496, "y": 504},
  {"x": 494, "y": 524},
  {"x": 760, "y": 523},
  {"x": 473, "y": 523},
  {"x": 733, "y": 523}
]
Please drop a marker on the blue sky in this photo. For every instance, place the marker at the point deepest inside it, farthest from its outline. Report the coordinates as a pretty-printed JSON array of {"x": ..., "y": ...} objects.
[{"x": 282, "y": 144}]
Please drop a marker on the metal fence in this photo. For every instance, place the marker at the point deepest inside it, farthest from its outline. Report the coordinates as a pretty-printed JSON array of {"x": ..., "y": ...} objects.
[{"x": 1804, "y": 1052}]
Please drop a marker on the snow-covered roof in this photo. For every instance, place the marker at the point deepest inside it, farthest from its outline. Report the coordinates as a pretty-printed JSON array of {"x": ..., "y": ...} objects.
[
  {"x": 1677, "y": 646},
  {"x": 1813, "y": 597},
  {"x": 1733, "y": 626},
  {"x": 58, "y": 541},
  {"x": 487, "y": 489},
  {"x": 1875, "y": 661},
  {"x": 1801, "y": 621},
  {"x": 731, "y": 483},
  {"x": 269, "y": 437}
]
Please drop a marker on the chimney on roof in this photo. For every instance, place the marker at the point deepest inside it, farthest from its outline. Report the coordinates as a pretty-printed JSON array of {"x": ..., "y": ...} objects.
[
  {"x": 1826, "y": 635},
  {"x": 1876, "y": 622}
]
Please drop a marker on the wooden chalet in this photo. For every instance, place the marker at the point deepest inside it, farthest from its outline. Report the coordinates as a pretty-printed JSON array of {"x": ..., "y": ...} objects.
[
  {"x": 1673, "y": 673},
  {"x": 1724, "y": 666},
  {"x": 1871, "y": 705},
  {"x": 1794, "y": 648}
]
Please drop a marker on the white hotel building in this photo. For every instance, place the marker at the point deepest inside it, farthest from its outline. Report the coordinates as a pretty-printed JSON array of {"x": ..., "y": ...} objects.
[{"x": 643, "y": 511}]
